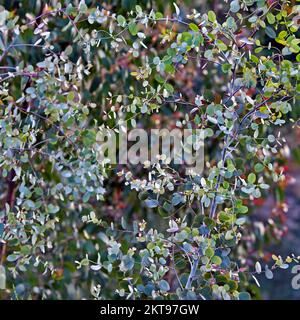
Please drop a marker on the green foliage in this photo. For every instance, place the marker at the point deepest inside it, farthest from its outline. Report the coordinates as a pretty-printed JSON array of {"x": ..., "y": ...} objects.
[{"x": 76, "y": 70}]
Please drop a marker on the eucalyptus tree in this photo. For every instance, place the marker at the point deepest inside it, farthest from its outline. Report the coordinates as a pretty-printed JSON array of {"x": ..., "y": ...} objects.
[{"x": 75, "y": 70}]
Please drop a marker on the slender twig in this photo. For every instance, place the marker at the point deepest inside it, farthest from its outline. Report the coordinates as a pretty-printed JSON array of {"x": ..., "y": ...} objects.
[
  {"x": 253, "y": 110},
  {"x": 192, "y": 273},
  {"x": 174, "y": 269},
  {"x": 213, "y": 207}
]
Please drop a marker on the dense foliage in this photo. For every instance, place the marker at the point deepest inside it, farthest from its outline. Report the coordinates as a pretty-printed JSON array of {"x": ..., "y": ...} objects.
[{"x": 72, "y": 226}]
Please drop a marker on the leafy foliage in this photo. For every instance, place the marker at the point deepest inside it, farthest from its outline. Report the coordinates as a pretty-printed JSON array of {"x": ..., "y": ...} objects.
[{"x": 75, "y": 69}]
